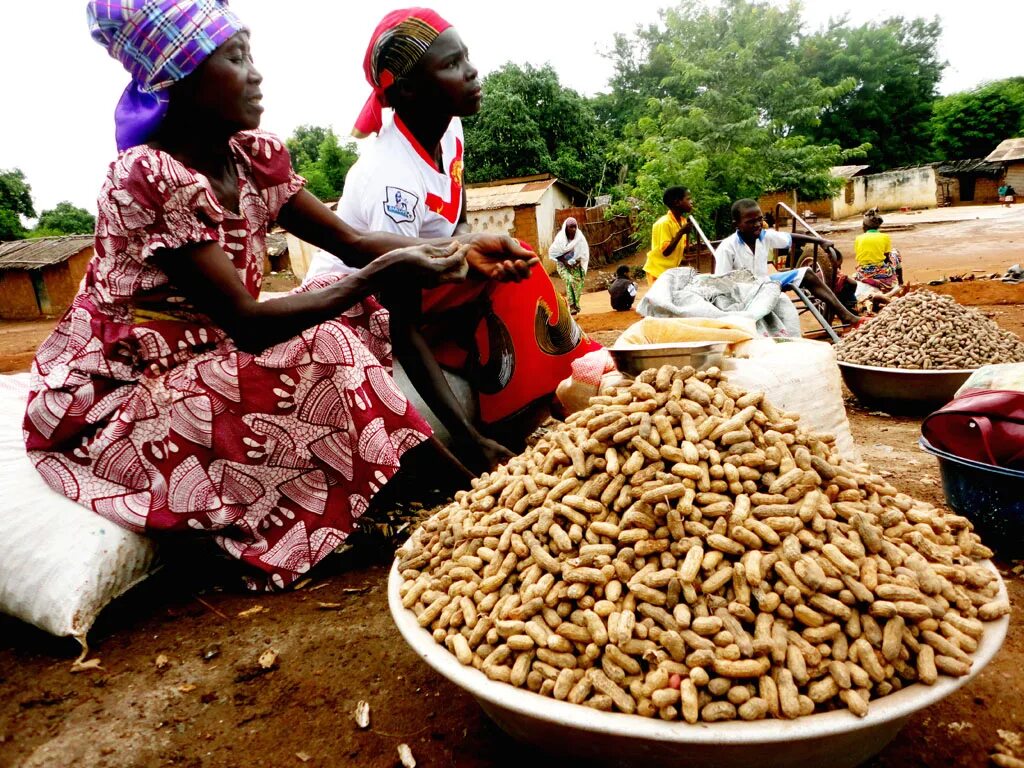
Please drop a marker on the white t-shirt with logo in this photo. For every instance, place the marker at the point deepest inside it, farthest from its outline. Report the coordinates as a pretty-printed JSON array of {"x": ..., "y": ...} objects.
[
  {"x": 394, "y": 186},
  {"x": 733, "y": 253}
]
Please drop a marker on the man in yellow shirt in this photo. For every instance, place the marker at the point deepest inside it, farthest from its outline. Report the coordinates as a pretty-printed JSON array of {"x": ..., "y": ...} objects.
[{"x": 668, "y": 236}]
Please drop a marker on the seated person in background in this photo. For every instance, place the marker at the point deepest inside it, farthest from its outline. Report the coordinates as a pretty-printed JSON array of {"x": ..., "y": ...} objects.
[
  {"x": 668, "y": 236},
  {"x": 622, "y": 290},
  {"x": 748, "y": 248},
  {"x": 878, "y": 263}
]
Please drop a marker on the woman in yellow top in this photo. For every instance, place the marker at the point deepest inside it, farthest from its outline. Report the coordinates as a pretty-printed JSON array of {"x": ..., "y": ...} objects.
[
  {"x": 878, "y": 263},
  {"x": 668, "y": 236}
]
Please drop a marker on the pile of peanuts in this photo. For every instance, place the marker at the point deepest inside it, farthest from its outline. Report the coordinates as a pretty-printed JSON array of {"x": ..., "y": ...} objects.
[
  {"x": 929, "y": 331},
  {"x": 681, "y": 549}
]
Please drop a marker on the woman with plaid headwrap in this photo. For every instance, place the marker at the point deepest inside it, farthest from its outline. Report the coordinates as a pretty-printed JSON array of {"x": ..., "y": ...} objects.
[
  {"x": 513, "y": 340},
  {"x": 168, "y": 398}
]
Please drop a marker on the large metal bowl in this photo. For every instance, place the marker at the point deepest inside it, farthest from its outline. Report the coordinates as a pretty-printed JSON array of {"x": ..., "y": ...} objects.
[
  {"x": 835, "y": 739},
  {"x": 636, "y": 359},
  {"x": 903, "y": 390}
]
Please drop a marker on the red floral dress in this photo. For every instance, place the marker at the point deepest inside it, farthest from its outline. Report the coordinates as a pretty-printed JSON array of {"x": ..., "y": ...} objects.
[{"x": 144, "y": 411}]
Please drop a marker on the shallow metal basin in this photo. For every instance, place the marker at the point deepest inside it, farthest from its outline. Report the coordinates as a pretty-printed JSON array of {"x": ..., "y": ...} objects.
[
  {"x": 700, "y": 354},
  {"x": 903, "y": 390}
]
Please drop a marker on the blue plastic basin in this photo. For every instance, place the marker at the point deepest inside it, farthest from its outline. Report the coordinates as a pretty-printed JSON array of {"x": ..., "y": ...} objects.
[{"x": 990, "y": 497}]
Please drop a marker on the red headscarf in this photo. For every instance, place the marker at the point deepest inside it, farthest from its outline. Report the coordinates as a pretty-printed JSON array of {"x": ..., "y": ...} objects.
[{"x": 412, "y": 30}]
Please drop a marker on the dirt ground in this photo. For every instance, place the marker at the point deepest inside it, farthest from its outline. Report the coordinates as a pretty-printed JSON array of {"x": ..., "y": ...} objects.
[
  {"x": 180, "y": 683},
  {"x": 19, "y": 341}
]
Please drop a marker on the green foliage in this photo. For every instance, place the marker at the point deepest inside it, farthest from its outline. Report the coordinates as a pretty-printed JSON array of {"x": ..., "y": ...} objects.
[
  {"x": 324, "y": 161},
  {"x": 725, "y": 120},
  {"x": 38, "y": 232},
  {"x": 895, "y": 67},
  {"x": 10, "y": 226},
  {"x": 15, "y": 200},
  {"x": 317, "y": 184},
  {"x": 529, "y": 123},
  {"x": 304, "y": 144},
  {"x": 971, "y": 124},
  {"x": 65, "y": 219},
  {"x": 641, "y": 64}
]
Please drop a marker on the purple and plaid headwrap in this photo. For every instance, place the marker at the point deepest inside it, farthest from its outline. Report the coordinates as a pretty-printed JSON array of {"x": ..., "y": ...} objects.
[{"x": 159, "y": 42}]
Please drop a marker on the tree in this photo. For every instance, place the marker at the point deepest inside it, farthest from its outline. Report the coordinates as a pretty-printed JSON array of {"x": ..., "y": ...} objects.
[
  {"x": 324, "y": 161},
  {"x": 65, "y": 219},
  {"x": 972, "y": 123},
  {"x": 335, "y": 160},
  {"x": 15, "y": 201},
  {"x": 529, "y": 123},
  {"x": 501, "y": 143},
  {"x": 641, "y": 64},
  {"x": 896, "y": 70},
  {"x": 304, "y": 144},
  {"x": 724, "y": 121}
]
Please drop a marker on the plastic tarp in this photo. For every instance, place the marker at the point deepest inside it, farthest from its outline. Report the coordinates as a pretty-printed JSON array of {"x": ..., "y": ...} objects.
[{"x": 683, "y": 292}]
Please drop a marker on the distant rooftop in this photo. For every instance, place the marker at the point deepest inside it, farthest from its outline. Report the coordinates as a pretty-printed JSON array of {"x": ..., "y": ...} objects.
[
  {"x": 516, "y": 192},
  {"x": 967, "y": 167},
  {"x": 1010, "y": 149},
  {"x": 848, "y": 171},
  {"x": 39, "y": 252}
]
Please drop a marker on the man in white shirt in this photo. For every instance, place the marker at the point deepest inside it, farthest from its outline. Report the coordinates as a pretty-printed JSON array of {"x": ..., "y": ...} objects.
[{"x": 748, "y": 248}]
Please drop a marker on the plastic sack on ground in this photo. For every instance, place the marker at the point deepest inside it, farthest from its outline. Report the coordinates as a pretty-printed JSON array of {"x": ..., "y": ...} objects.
[
  {"x": 60, "y": 563},
  {"x": 682, "y": 292},
  {"x": 669, "y": 330},
  {"x": 1005, "y": 376},
  {"x": 801, "y": 376},
  {"x": 590, "y": 374}
]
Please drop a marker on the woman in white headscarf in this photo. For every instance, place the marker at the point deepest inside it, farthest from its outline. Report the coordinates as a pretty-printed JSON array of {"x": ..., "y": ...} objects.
[{"x": 571, "y": 255}]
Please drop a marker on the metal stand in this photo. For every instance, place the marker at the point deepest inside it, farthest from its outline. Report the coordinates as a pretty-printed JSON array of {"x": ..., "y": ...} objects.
[{"x": 809, "y": 303}]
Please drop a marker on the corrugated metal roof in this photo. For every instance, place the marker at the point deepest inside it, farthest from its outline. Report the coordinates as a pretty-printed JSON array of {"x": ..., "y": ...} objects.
[
  {"x": 36, "y": 253},
  {"x": 506, "y": 195},
  {"x": 960, "y": 167},
  {"x": 1010, "y": 149},
  {"x": 847, "y": 171}
]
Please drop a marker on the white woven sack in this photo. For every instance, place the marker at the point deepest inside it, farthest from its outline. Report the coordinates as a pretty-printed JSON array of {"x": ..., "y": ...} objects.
[
  {"x": 801, "y": 376},
  {"x": 60, "y": 563}
]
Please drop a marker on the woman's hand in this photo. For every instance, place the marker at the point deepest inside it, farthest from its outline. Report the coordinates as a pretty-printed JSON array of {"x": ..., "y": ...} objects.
[
  {"x": 498, "y": 257},
  {"x": 481, "y": 454},
  {"x": 433, "y": 264},
  {"x": 494, "y": 453}
]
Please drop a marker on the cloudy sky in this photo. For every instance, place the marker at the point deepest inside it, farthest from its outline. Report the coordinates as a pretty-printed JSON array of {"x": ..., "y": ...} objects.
[{"x": 59, "y": 88}]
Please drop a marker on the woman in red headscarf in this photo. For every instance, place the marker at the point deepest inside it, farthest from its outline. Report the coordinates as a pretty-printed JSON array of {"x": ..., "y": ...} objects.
[{"x": 513, "y": 340}]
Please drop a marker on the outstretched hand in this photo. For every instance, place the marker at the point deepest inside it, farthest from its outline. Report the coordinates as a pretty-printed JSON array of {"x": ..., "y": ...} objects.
[
  {"x": 498, "y": 257},
  {"x": 434, "y": 263}
]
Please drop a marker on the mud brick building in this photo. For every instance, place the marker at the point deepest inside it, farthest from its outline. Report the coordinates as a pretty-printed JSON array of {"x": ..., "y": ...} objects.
[{"x": 39, "y": 277}]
